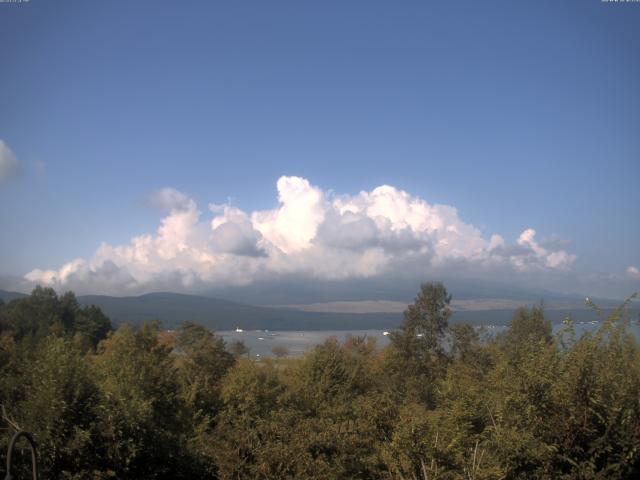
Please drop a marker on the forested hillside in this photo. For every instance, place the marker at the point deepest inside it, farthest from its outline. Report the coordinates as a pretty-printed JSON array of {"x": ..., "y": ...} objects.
[
  {"x": 441, "y": 402},
  {"x": 174, "y": 308}
]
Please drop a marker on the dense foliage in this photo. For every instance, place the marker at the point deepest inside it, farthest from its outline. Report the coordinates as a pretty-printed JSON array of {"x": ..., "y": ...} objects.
[{"x": 440, "y": 402}]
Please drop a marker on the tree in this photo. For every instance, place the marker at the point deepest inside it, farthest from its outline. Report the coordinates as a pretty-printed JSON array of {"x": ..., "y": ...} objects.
[
  {"x": 280, "y": 351},
  {"x": 425, "y": 323},
  {"x": 417, "y": 355},
  {"x": 527, "y": 329},
  {"x": 60, "y": 407},
  {"x": 250, "y": 393},
  {"x": 204, "y": 363},
  {"x": 92, "y": 324},
  {"x": 34, "y": 317},
  {"x": 142, "y": 423},
  {"x": 42, "y": 313},
  {"x": 467, "y": 346},
  {"x": 179, "y": 405},
  {"x": 239, "y": 349}
]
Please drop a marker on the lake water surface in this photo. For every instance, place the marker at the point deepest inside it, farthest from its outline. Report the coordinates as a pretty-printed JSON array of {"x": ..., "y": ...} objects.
[{"x": 261, "y": 342}]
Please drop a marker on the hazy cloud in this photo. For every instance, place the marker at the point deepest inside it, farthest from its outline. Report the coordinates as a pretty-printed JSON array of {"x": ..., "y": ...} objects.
[
  {"x": 312, "y": 234},
  {"x": 8, "y": 163},
  {"x": 169, "y": 199},
  {"x": 633, "y": 272}
]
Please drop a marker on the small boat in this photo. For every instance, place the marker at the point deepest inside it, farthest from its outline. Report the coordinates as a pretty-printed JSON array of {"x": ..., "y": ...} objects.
[
  {"x": 239, "y": 330},
  {"x": 385, "y": 333}
]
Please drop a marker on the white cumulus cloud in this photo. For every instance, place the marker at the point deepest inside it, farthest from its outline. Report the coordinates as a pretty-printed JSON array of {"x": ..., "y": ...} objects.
[{"x": 311, "y": 233}]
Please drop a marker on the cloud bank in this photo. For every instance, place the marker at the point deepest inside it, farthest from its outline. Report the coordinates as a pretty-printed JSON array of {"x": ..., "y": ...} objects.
[{"x": 311, "y": 234}]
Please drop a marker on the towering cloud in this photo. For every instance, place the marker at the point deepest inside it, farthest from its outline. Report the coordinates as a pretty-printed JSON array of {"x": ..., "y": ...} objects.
[{"x": 311, "y": 233}]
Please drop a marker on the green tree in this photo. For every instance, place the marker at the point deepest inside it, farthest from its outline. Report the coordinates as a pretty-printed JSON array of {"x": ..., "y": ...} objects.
[
  {"x": 142, "y": 417},
  {"x": 60, "y": 409},
  {"x": 528, "y": 327},
  {"x": 201, "y": 367},
  {"x": 92, "y": 324},
  {"x": 468, "y": 347},
  {"x": 251, "y": 395},
  {"x": 417, "y": 357},
  {"x": 34, "y": 317},
  {"x": 239, "y": 349},
  {"x": 42, "y": 313}
]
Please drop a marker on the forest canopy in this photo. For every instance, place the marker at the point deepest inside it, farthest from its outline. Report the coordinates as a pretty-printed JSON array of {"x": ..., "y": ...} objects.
[{"x": 440, "y": 402}]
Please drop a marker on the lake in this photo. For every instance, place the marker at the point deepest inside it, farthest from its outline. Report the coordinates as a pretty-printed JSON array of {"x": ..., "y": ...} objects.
[{"x": 261, "y": 342}]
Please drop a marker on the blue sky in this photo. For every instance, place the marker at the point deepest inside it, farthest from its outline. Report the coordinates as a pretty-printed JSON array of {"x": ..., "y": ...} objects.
[{"x": 518, "y": 114}]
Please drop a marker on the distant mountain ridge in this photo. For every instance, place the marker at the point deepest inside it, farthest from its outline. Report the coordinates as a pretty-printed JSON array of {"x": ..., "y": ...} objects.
[
  {"x": 6, "y": 296},
  {"x": 174, "y": 308},
  {"x": 388, "y": 306}
]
